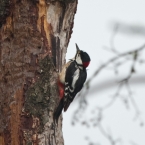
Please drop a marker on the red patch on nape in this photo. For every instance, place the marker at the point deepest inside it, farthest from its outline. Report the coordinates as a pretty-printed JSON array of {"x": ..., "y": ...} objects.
[
  {"x": 61, "y": 89},
  {"x": 85, "y": 64}
]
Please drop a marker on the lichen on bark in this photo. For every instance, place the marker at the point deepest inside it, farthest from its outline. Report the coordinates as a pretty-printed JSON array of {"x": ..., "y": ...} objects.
[{"x": 42, "y": 95}]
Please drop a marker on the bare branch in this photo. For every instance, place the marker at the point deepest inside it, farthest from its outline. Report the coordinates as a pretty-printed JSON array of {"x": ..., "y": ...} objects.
[
  {"x": 108, "y": 136},
  {"x": 114, "y": 59}
]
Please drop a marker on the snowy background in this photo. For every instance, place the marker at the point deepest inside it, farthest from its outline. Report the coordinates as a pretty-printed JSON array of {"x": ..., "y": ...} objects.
[{"x": 93, "y": 32}]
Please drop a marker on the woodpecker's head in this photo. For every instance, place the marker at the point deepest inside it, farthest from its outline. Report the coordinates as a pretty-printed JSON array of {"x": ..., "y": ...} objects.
[{"x": 82, "y": 58}]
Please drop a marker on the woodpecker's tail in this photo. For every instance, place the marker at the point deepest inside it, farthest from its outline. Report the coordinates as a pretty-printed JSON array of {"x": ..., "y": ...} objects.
[
  {"x": 58, "y": 110},
  {"x": 66, "y": 105}
]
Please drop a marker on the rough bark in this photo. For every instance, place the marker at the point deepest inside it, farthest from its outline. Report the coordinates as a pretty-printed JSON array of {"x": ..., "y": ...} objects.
[{"x": 34, "y": 36}]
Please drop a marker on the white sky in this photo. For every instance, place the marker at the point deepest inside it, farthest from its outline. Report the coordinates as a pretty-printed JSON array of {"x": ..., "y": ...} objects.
[{"x": 91, "y": 32}]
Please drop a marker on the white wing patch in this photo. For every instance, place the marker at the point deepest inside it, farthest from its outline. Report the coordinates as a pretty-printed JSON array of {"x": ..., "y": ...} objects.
[{"x": 75, "y": 78}]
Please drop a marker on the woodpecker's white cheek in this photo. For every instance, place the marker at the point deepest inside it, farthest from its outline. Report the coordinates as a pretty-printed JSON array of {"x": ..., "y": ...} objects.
[{"x": 78, "y": 60}]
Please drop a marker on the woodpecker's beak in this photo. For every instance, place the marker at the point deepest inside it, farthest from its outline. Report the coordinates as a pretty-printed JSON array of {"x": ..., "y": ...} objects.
[{"x": 77, "y": 48}]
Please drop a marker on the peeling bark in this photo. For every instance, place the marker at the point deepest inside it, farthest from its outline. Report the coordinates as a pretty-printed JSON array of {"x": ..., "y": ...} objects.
[{"x": 34, "y": 36}]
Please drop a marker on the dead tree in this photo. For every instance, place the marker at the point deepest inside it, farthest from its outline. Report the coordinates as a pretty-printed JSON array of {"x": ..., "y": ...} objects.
[{"x": 34, "y": 35}]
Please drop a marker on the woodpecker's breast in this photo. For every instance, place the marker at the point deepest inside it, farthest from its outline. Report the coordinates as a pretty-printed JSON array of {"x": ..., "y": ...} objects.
[{"x": 63, "y": 73}]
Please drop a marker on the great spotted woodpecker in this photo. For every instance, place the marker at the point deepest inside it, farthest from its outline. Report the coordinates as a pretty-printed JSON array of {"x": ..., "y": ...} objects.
[{"x": 71, "y": 80}]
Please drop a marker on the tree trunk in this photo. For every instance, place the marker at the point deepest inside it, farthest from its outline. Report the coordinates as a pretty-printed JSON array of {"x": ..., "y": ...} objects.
[{"x": 34, "y": 36}]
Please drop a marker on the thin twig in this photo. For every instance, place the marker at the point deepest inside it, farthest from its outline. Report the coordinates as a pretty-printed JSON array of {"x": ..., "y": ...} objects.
[{"x": 112, "y": 60}]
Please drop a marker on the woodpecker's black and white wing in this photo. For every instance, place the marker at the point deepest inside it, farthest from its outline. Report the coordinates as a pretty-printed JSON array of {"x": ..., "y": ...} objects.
[{"x": 74, "y": 80}]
